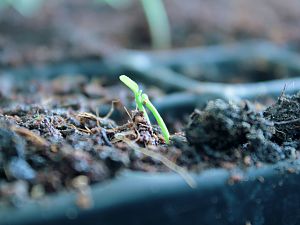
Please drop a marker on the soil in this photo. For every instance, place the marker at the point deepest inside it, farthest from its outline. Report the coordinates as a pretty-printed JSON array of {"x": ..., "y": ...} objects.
[
  {"x": 233, "y": 131},
  {"x": 52, "y": 139}
]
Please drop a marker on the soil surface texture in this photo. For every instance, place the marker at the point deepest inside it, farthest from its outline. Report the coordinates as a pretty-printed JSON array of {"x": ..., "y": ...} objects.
[{"x": 52, "y": 137}]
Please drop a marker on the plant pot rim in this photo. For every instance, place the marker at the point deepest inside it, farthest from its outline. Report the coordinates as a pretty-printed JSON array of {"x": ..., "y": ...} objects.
[{"x": 138, "y": 188}]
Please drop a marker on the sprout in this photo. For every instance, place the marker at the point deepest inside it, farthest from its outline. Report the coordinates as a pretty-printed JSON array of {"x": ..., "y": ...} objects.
[
  {"x": 137, "y": 94},
  {"x": 141, "y": 100}
]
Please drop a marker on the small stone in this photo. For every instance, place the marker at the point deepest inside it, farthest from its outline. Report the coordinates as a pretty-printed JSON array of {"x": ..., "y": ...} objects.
[
  {"x": 37, "y": 191},
  {"x": 20, "y": 169}
]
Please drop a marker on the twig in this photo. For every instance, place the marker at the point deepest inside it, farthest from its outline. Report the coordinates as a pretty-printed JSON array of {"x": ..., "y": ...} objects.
[
  {"x": 287, "y": 121},
  {"x": 31, "y": 136},
  {"x": 111, "y": 109}
]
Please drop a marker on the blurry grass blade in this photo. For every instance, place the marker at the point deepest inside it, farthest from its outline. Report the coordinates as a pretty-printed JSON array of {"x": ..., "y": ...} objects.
[
  {"x": 158, "y": 22},
  {"x": 130, "y": 83}
]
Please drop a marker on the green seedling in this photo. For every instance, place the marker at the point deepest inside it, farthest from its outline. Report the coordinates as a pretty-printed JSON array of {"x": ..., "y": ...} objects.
[
  {"x": 133, "y": 86},
  {"x": 143, "y": 100}
]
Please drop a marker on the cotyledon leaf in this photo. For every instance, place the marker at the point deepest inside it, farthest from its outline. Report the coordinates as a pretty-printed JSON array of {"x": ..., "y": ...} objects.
[{"x": 130, "y": 83}]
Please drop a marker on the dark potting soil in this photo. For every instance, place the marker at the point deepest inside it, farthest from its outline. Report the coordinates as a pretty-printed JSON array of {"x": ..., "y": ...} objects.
[
  {"x": 52, "y": 139},
  {"x": 233, "y": 131}
]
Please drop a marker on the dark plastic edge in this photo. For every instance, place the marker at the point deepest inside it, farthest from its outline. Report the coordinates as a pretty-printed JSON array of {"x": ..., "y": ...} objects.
[{"x": 143, "y": 198}]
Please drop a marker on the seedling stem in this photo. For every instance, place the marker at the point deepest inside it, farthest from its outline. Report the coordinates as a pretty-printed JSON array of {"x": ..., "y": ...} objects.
[{"x": 141, "y": 100}]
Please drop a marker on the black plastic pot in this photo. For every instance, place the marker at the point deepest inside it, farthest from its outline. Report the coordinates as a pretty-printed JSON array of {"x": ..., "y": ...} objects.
[{"x": 267, "y": 195}]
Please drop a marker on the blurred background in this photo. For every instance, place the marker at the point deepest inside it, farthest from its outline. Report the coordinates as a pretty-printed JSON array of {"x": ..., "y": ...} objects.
[{"x": 39, "y": 30}]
